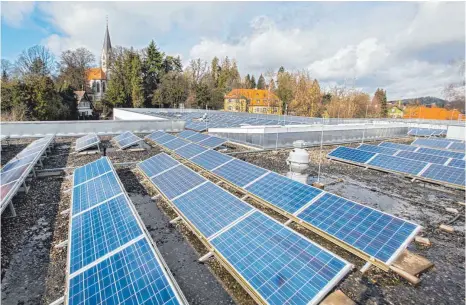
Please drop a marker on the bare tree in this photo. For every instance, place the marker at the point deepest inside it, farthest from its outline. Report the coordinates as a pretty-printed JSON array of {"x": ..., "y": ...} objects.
[
  {"x": 7, "y": 69},
  {"x": 454, "y": 93},
  {"x": 198, "y": 69},
  {"x": 37, "y": 60},
  {"x": 74, "y": 65}
]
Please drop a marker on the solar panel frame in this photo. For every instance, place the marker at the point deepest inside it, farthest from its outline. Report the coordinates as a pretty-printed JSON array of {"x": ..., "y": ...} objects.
[
  {"x": 212, "y": 142},
  {"x": 185, "y": 134},
  {"x": 239, "y": 172},
  {"x": 446, "y": 174},
  {"x": 198, "y": 138},
  {"x": 175, "y": 144},
  {"x": 191, "y": 150},
  {"x": 177, "y": 181},
  {"x": 128, "y": 140},
  {"x": 353, "y": 155},
  {"x": 211, "y": 159},
  {"x": 147, "y": 165},
  {"x": 378, "y": 149},
  {"x": 88, "y": 141},
  {"x": 155, "y": 135}
]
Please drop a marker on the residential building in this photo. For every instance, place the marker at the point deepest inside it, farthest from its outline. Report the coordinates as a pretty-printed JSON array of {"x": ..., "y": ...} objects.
[
  {"x": 98, "y": 77},
  {"x": 252, "y": 101},
  {"x": 395, "y": 112},
  {"x": 84, "y": 104}
]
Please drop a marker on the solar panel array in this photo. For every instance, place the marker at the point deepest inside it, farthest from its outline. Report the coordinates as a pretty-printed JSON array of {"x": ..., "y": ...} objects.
[
  {"x": 441, "y": 174},
  {"x": 279, "y": 265},
  {"x": 111, "y": 259},
  {"x": 294, "y": 198},
  {"x": 87, "y": 141},
  {"x": 16, "y": 170},
  {"x": 426, "y": 132},
  {"x": 202, "y": 139},
  {"x": 126, "y": 139},
  {"x": 440, "y": 144}
]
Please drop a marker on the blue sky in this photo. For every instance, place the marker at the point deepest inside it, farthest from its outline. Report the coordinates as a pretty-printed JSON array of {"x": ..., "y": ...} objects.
[{"x": 410, "y": 48}]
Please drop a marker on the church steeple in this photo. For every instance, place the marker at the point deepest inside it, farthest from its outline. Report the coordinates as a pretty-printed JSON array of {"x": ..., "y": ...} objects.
[{"x": 106, "y": 51}]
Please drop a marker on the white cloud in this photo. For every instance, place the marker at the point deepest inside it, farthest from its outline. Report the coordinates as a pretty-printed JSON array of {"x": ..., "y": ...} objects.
[{"x": 14, "y": 13}]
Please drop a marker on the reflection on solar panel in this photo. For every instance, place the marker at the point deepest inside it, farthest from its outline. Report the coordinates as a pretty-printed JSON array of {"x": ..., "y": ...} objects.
[
  {"x": 398, "y": 146},
  {"x": 279, "y": 265},
  {"x": 111, "y": 259},
  {"x": 126, "y": 139},
  {"x": 157, "y": 164},
  {"x": 239, "y": 172},
  {"x": 87, "y": 141},
  {"x": 186, "y": 134},
  {"x": 412, "y": 168},
  {"x": 14, "y": 173},
  {"x": 438, "y": 152},
  {"x": 287, "y": 194},
  {"x": 378, "y": 234},
  {"x": 190, "y": 150},
  {"x": 211, "y": 159}
]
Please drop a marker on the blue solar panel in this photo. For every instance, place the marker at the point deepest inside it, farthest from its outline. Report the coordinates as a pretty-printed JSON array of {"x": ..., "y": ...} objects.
[
  {"x": 283, "y": 192},
  {"x": 282, "y": 266},
  {"x": 198, "y": 137},
  {"x": 211, "y": 159},
  {"x": 15, "y": 163},
  {"x": 457, "y": 146},
  {"x": 351, "y": 154},
  {"x": 26, "y": 152},
  {"x": 421, "y": 132},
  {"x": 239, "y": 172},
  {"x": 422, "y": 157},
  {"x": 447, "y": 174},
  {"x": 377, "y": 149},
  {"x": 95, "y": 191},
  {"x": 13, "y": 175},
  {"x": 91, "y": 170},
  {"x": 128, "y": 141},
  {"x": 155, "y": 135},
  {"x": 177, "y": 181},
  {"x": 100, "y": 231},
  {"x": 190, "y": 150},
  {"x": 398, "y": 164},
  {"x": 157, "y": 164},
  {"x": 431, "y": 143},
  {"x": 164, "y": 139},
  {"x": 398, "y": 146},
  {"x": 186, "y": 134},
  {"x": 131, "y": 276},
  {"x": 123, "y": 135},
  {"x": 176, "y": 143},
  {"x": 377, "y": 234},
  {"x": 87, "y": 141},
  {"x": 210, "y": 208},
  {"x": 457, "y": 163},
  {"x": 438, "y": 152},
  {"x": 212, "y": 142}
]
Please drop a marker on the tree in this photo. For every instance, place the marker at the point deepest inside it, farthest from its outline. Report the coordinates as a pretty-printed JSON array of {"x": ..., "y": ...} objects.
[
  {"x": 380, "y": 98},
  {"x": 215, "y": 69},
  {"x": 281, "y": 70},
  {"x": 261, "y": 82},
  {"x": 119, "y": 88},
  {"x": 285, "y": 87},
  {"x": 307, "y": 100},
  {"x": 171, "y": 63},
  {"x": 173, "y": 90},
  {"x": 253, "y": 82},
  {"x": 73, "y": 68},
  {"x": 37, "y": 60},
  {"x": 153, "y": 69},
  {"x": 272, "y": 85},
  {"x": 137, "y": 88},
  {"x": 247, "y": 82},
  {"x": 7, "y": 70}
]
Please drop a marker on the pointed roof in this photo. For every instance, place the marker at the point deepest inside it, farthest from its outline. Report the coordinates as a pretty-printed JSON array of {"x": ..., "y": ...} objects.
[{"x": 107, "y": 43}]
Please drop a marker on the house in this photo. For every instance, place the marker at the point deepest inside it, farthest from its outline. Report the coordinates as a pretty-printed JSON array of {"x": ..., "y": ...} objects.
[
  {"x": 84, "y": 104},
  {"x": 252, "y": 101}
]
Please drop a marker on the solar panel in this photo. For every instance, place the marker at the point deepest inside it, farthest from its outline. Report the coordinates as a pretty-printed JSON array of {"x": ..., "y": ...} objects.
[
  {"x": 176, "y": 143},
  {"x": 155, "y": 135},
  {"x": 420, "y": 132},
  {"x": 287, "y": 194},
  {"x": 177, "y": 181},
  {"x": 100, "y": 231},
  {"x": 123, "y": 135},
  {"x": 211, "y": 159},
  {"x": 446, "y": 174},
  {"x": 157, "y": 164},
  {"x": 91, "y": 170},
  {"x": 443, "y": 153},
  {"x": 14, "y": 174},
  {"x": 190, "y": 150},
  {"x": 457, "y": 163},
  {"x": 431, "y": 143},
  {"x": 456, "y": 146},
  {"x": 86, "y": 142},
  {"x": 94, "y": 191},
  {"x": 422, "y": 157},
  {"x": 186, "y": 134},
  {"x": 212, "y": 142},
  {"x": 239, "y": 172},
  {"x": 398, "y": 146},
  {"x": 164, "y": 139},
  {"x": 378, "y": 149},
  {"x": 397, "y": 164},
  {"x": 378, "y": 234},
  {"x": 210, "y": 208},
  {"x": 15, "y": 162},
  {"x": 282, "y": 266},
  {"x": 32, "y": 151},
  {"x": 351, "y": 154},
  {"x": 129, "y": 139},
  {"x": 198, "y": 137},
  {"x": 133, "y": 275}
]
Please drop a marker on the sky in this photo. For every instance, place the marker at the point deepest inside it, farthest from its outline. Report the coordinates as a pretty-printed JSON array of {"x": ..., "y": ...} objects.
[{"x": 411, "y": 49}]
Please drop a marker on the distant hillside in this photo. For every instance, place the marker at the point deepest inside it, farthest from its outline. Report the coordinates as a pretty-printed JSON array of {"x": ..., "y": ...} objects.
[{"x": 426, "y": 100}]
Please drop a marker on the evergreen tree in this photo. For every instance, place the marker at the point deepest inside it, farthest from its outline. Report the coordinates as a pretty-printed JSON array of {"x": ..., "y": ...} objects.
[
  {"x": 253, "y": 82},
  {"x": 215, "y": 70},
  {"x": 153, "y": 69},
  {"x": 272, "y": 85},
  {"x": 137, "y": 88},
  {"x": 261, "y": 82},
  {"x": 380, "y": 98},
  {"x": 247, "y": 82},
  {"x": 281, "y": 69}
]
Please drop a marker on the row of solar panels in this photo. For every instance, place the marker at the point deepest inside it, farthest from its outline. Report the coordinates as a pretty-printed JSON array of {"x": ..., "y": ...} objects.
[
  {"x": 446, "y": 144},
  {"x": 123, "y": 141},
  {"x": 426, "y": 132},
  {"x": 111, "y": 257},
  {"x": 369, "y": 233},
  {"x": 275, "y": 263},
  {"x": 14, "y": 173},
  {"x": 437, "y": 173}
]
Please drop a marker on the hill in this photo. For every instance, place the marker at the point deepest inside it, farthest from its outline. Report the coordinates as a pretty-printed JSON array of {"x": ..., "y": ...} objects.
[{"x": 425, "y": 100}]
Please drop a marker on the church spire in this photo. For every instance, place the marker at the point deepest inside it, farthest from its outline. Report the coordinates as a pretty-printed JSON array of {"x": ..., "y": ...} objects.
[
  {"x": 107, "y": 44},
  {"x": 106, "y": 50}
]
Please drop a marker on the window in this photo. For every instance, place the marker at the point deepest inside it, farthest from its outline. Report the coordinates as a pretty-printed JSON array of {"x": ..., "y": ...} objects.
[
  {"x": 93, "y": 86},
  {"x": 103, "y": 87},
  {"x": 98, "y": 87}
]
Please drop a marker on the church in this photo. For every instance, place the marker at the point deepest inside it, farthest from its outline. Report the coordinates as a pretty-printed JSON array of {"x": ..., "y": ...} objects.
[{"x": 97, "y": 77}]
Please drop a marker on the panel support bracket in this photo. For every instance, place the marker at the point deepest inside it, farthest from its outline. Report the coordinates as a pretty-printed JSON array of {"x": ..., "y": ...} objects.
[
  {"x": 58, "y": 301},
  {"x": 206, "y": 257},
  {"x": 366, "y": 267},
  {"x": 61, "y": 244},
  {"x": 175, "y": 220},
  {"x": 288, "y": 222}
]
